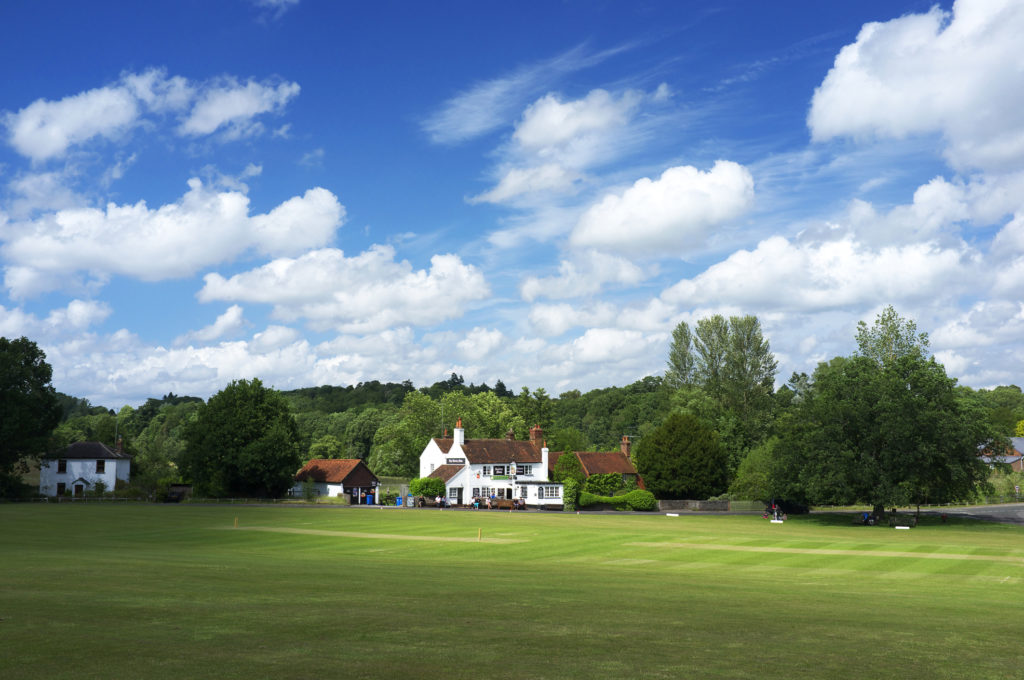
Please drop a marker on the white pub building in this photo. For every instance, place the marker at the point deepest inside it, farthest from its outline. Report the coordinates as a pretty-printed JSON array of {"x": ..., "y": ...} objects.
[{"x": 481, "y": 468}]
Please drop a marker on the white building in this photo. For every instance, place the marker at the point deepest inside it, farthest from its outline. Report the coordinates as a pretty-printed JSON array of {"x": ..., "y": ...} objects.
[
  {"x": 481, "y": 468},
  {"x": 83, "y": 464}
]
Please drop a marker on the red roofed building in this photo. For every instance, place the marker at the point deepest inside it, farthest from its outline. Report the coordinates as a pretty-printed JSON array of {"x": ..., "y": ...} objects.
[
  {"x": 480, "y": 468},
  {"x": 603, "y": 463},
  {"x": 337, "y": 477}
]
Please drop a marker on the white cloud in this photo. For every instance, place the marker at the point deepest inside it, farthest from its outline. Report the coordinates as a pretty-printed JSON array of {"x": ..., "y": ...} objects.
[
  {"x": 228, "y": 323},
  {"x": 671, "y": 215},
  {"x": 549, "y": 125},
  {"x": 233, "y": 106},
  {"x": 204, "y": 228},
  {"x": 480, "y": 342},
  {"x": 554, "y": 320},
  {"x": 613, "y": 344},
  {"x": 550, "y": 177},
  {"x": 492, "y": 103},
  {"x": 586, "y": 274},
  {"x": 780, "y": 275},
  {"x": 77, "y": 316},
  {"x": 365, "y": 293},
  {"x": 956, "y": 74},
  {"x": 45, "y": 129}
]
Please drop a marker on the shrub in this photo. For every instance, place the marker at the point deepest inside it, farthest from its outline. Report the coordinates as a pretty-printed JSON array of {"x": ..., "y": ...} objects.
[
  {"x": 638, "y": 499},
  {"x": 603, "y": 485},
  {"x": 570, "y": 494},
  {"x": 427, "y": 486},
  {"x": 641, "y": 500}
]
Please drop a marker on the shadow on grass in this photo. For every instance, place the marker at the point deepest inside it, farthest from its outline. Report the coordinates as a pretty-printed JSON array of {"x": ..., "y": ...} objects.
[{"x": 852, "y": 520}]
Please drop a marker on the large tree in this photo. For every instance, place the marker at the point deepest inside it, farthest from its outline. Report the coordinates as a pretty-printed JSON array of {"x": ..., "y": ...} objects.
[
  {"x": 884, "y": 428},
  {"x": 29, "y": 408},
  {"x": 244, "y": 441},
  {"x": 681, "y": 458}
]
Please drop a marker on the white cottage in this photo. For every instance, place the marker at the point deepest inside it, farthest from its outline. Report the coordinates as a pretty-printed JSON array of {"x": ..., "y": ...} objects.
[
  {"x": 78, "y": 468},
  {"x": 481, "y": 468}
]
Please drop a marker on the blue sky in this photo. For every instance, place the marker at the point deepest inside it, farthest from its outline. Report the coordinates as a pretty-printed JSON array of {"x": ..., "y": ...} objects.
[{"x": 313, "y": 192}]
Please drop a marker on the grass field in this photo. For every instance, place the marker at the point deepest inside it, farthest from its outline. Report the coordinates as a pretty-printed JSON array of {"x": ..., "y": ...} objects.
[{"x": 149, "y": 591}]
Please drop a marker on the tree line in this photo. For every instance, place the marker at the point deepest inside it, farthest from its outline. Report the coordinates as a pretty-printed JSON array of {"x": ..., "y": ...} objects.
[{"x": 884, "y": 425}]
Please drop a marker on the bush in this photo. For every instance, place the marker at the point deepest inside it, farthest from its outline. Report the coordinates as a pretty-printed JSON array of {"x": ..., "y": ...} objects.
[
  {"x": 603, "y": 484},
  {"x": 570, "y": 494},
  {"x": 638, "y": 500},
  {"x": 427, "y": 486}
]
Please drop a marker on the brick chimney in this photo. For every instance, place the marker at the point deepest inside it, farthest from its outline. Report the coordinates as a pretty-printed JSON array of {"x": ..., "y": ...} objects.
[
  {"x": 536, "y": 436},
  {"x": 510, "y": 435},
  {"x": 624, "y": 445}
]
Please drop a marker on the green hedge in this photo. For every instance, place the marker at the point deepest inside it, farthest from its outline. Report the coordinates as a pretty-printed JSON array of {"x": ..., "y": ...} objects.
[{"x": 637, "y": 499}]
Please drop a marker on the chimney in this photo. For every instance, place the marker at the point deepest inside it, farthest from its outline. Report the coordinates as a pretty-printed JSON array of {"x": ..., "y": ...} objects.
[
  {"x": 624, "y": 446},
  {"x": 460, "y": 434},
  {"x": 536, "y": 435},
  {"x": 544, "y": 460},
  {"x": 119, "y": 446},
  {"x": 510, "y": 435}
]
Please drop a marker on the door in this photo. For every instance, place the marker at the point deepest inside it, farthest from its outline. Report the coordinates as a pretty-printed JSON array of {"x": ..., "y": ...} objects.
[{"x": 79, "y": 490}]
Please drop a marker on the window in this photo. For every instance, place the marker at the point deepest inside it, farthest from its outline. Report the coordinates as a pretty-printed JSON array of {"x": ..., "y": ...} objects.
[
  {"x": 431, "y": 467},
  {"x": 549, "y": 492},
  {"x": 476, "y": 492},
  {"x": 522, "y": 492},
  {"x": 101, "y": 467},
  {"x": 62, "y": 467},
  {"x": 485, "y": 492},
  {"x": 453, "y": 492},
  {"x": 487, "y": 471},
  {"x": 62, "y": 488},
  {"x": 524, "y": 470}
]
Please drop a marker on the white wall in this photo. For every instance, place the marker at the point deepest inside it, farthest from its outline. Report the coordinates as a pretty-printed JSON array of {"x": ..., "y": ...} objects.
[{"x": 114, "y": 469}]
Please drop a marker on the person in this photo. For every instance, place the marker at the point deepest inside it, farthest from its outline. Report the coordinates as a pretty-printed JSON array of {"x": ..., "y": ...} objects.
[
  {"x": 489, "y": 501},
  {"x": 437, "y": 502}
]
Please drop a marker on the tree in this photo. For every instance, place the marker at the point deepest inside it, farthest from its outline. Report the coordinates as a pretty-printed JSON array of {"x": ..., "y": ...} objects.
[
  {"x": 327, "y": 446},
  {"x": 29, "y": 409},
  {"x": 682, "y": 459},
  {"x": 243, "y": 441},
  {"x": 887, "y": 435},
  {"x": 568, "y": 467},
  {"x": 890, "y": 337}
]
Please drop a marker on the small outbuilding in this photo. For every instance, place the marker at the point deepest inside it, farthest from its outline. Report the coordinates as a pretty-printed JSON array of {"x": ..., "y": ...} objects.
[{"x": 338, "y": 477}]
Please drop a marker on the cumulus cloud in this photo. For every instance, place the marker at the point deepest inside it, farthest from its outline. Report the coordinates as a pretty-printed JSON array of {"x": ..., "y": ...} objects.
[
  {"x": 781, "y": 275},
  {"x": 228, "y": 323},
  {"x": 205, "y": 227},
  {"x": 365, "y": 293},
  {"x": 671, "y": 215},
  {"x": 554, "y": 320},
  {"x": 480, "y": 342},
  {"x": 77, "y": 316},
  {"x": 613, "y": 344},
  {"x": 46, "y": 129},
  {"x": 952, "y": 73},
  {"x": 586, "y": 274}
]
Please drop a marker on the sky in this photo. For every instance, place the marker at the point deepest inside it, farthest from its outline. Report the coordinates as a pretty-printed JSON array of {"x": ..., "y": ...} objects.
[{"x": 312, "y": 192}]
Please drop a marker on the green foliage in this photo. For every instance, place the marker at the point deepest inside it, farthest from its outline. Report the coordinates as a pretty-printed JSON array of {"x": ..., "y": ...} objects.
[
  {"x": 889, "y": 338},
  {"x": 568, "y": 467},
  {"x": 429, "y": 487},
  {"x": 885, "y": 434},
  {"x": 568, "y": 439},
  {"x": 603, "y": 484},
  {"x": 1018, "y": 429},
  {"x": 244, "y": 441},
  {"x": 29, "y": 409},
  {"x": 724, "y": 373},
  {"x": 333, "y": 399},
  {"x": 638, "y": 500},
  {"x": 309, "y": 490},
  {"x": 327, "y": 446},
  {"x": 570, "y": 494},
  {"x": 756, "y": 474},
  {"x": 682, "y": 459}
]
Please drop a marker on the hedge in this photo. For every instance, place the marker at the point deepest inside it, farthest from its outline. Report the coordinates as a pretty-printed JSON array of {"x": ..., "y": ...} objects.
[{"x": 637, "y": 499}]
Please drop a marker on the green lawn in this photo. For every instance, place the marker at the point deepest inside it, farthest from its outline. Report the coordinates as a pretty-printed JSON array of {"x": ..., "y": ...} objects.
[{"x": 150, "y": 591}]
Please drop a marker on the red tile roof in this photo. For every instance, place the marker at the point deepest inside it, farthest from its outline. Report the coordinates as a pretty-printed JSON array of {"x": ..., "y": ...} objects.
[
  {"x": 604, "y": 462},
  {"x": 489, "y": 451},
  {"x": 329, "y": 470},
  {"x": 445, "y": 472}
]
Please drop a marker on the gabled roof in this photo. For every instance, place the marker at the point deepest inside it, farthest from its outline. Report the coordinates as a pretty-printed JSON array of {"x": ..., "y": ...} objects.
[
  {"x": 90, "y": 451},
  {"x": 605, "y": 462},
  {"x": 489, "y": 451},
  {"x": 446, "y": 472},
  {"x": 329, "y": 470}
]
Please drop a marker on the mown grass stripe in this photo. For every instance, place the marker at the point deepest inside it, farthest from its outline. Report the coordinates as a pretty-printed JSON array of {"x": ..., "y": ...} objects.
[
  {"x": 828, "y": 551},
  {"x": 358, "y": 534}
]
